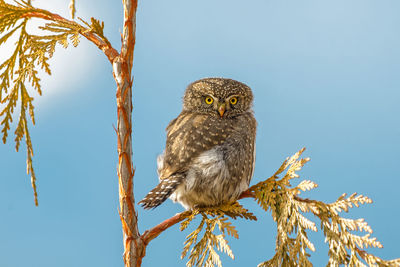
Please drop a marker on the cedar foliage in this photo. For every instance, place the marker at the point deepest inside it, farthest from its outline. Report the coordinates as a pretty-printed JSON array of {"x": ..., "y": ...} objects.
[
  {"x": 203, "y": 252},
  {"x": 276, "y": 195},
  {"x": 19, "y": 73}
]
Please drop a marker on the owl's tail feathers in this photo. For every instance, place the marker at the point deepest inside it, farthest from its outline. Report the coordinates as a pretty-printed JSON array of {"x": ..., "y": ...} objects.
[{"x": 161, "y": 192}]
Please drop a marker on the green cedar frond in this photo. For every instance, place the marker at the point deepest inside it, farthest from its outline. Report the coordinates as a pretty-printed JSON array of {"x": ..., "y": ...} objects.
[
  {"x": 202, "y": 252},
  {"x": 233, "y": 210},
  {"x": 5, "y": 37},
  {"x": 30, "y": 54},
  {"x": 11, "y": 100},
  {"x": 344, "y": 204},
  {"x": 191, "y": 239},
  {"x": 188, "y": 220},
  {"x": 288, "y": 210},
  {"x": 202, "y": 249},
  {"x": 75, "y": 39},
  {"x": 10, "y": 15},
  {"x": 96, "y": 27},
  {"x": 225, "y": 226},
  {"x": 372, "y": 260},
  {"x": 306, "y": 185},
  {"x": 23, "y": 4}
]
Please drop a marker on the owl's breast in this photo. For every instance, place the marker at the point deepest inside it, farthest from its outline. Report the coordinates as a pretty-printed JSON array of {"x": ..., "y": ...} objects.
[
  {"x": 209, "y": 181},
  {"x": 208, "y": 169}
]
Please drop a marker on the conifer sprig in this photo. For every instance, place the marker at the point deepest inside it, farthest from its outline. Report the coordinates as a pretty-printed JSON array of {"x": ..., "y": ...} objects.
[
  {"x": 287, "y": 208},
  {"x": 203, "y": 252},
  {"x": 288, "y": 211},
  {"x": 31, "y": 53}
]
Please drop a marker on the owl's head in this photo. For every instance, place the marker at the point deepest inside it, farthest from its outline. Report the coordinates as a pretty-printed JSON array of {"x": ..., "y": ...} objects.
[{"x": 218, "y": 97}]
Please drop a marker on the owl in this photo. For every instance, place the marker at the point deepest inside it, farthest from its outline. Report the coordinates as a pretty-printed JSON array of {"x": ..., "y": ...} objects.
[{"x": 210, "y": 150}]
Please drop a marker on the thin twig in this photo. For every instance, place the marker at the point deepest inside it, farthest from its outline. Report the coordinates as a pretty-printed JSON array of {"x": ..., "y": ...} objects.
[
  {"x": 149, "y": 235},
  {"x": 108, "y": 50},
  {"x": 152, "y": 233}
]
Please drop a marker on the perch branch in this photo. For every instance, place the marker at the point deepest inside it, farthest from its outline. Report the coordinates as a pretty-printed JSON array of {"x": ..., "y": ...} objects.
[{"x": 149, "y": 235}]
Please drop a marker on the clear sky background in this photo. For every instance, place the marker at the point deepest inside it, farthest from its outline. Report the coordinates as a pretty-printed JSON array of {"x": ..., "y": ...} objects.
[{"x": 325, "y": 75}]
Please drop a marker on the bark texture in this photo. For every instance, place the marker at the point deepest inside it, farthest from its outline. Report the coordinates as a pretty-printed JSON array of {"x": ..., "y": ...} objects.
[{"x": 134, "y": 248}]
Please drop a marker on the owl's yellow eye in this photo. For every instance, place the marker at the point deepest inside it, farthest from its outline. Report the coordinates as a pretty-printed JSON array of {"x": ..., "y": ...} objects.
[
  {"x": 209, "y": 100},
  {"x": 233, "y": 100}
]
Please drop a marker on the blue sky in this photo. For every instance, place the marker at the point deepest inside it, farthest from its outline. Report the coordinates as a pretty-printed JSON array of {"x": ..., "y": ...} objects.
[{"x": 325, "y": 75}]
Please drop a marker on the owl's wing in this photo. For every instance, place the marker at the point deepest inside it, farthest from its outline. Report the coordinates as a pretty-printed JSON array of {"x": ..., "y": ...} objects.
[
  {"x": 171, "y": 124},
  {"x": 187, "y": 137}
]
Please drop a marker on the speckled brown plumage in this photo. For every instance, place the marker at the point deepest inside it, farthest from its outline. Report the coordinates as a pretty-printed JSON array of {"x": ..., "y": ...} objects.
[{"x": 210, "y": 149}]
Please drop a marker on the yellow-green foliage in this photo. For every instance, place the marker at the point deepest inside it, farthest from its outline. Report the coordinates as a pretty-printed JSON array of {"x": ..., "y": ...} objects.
[
  {"x": 19, "y": 72},
  {"x": 203, "y": 251},
  {"x": 288, "y": 211}
]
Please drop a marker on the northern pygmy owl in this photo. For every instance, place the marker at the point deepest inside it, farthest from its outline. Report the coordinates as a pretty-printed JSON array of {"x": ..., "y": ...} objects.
[{"x": 210, "y": 149}]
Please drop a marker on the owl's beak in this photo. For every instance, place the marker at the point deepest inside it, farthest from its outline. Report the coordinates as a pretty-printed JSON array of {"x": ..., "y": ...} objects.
[{"x": 221, "y": 109}]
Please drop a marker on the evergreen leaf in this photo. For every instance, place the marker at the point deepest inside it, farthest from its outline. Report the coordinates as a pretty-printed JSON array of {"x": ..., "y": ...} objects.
[
  {"x": 20, "y": 70},
  {"x": 288, "y": 210}
]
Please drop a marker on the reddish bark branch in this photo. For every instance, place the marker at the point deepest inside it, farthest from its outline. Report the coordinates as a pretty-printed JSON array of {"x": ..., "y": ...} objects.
[
  {"x": 108, "y": 50},
  {"x": 134, "y": 247},
  {"x": 246, "y": 194},
  {"x": 154, "y": 232},
  {"x": 129, "y": 32},
  {"x": 149, "y": 235}
]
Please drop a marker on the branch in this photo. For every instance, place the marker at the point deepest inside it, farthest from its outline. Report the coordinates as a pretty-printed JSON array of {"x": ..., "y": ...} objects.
[
  {"x": 134, "y": 247},
  {"x": 149, "y": 235},
  {"x": 246, "y": 194},
  {"x": 108, "y": 50},
  {"x": 129, "y": 32}
]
